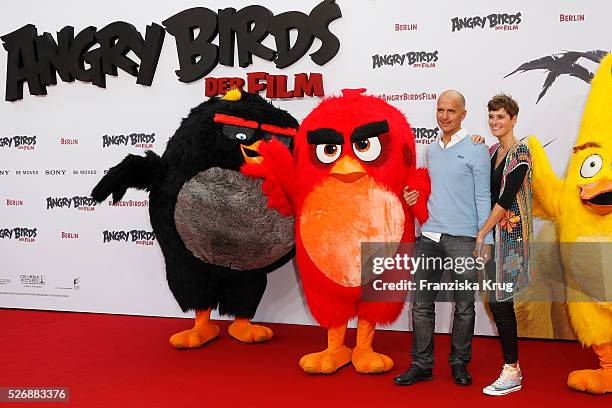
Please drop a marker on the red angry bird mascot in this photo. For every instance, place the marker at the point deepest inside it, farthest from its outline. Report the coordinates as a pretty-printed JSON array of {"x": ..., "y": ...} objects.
[{"x": 353, "y": 156}]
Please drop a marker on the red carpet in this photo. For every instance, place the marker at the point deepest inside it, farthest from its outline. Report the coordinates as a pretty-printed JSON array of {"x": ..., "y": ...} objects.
[{"x": 126, "y": 361}]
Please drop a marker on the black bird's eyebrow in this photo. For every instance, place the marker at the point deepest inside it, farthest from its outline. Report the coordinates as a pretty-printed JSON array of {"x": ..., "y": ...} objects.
[
  {"x": 369, "y": 130},
  {"x": 324, "y": 136}
]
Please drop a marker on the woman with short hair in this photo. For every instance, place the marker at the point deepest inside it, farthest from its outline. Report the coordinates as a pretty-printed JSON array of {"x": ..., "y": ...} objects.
[{"x": 511, "y": 218}]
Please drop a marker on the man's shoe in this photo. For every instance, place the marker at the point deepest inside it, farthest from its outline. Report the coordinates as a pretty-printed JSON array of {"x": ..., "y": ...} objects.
[
  {"x": 461, "y": 375},
  {"x": 413, "y": 375}
]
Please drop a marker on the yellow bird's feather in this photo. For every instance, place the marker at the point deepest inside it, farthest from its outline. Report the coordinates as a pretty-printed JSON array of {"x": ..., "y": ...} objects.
[
  {"x": 546, "y": 186},
  {"x": 560, "y": 201}
]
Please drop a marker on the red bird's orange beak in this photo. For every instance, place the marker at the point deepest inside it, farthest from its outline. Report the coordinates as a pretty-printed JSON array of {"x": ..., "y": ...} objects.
[
  {"x": 597, "y": 196},
  {"x": 251, "y": 153},
  {"x": 348, "y": 170}
]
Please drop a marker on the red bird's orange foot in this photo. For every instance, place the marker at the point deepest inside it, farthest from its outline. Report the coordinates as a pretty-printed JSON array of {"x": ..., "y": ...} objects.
[
  {"x": 244, "y": 331},
  {"x": 593, "y": 381},
  {"x": 367, "y": 361},
  {"x": 326, "y": 362},
  {"x": 196, "y": 337}
]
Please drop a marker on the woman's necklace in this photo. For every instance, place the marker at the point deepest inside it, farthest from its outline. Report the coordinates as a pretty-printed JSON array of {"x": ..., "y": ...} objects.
[{"x": 501, "y": 152}]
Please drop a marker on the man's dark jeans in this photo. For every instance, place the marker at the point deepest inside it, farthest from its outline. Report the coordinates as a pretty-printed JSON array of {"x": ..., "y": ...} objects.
[{"x": 423, "y": 307}]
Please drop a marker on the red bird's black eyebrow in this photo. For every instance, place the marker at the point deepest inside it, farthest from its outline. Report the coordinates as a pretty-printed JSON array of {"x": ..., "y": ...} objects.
[
  {"x": 369, "y": 130},
  {"x": 324, "y": 136}
]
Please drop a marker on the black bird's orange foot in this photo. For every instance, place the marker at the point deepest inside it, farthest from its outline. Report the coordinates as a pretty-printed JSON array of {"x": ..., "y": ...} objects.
[
  {"x": 202, "y": 332},
  {"x": 246, "y": 332}
]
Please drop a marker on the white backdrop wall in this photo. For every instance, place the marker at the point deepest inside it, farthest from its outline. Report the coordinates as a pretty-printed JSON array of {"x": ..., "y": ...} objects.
[{"x": 68, "y": 267}]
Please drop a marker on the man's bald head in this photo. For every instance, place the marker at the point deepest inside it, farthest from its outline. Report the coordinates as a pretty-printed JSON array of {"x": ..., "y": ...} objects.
[
  {"x": 450, "y": 112},
  {"x": 451, "y": 93}
]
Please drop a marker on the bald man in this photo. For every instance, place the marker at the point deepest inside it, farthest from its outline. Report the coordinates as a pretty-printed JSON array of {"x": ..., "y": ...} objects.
[{"x": 458, "y": 207}]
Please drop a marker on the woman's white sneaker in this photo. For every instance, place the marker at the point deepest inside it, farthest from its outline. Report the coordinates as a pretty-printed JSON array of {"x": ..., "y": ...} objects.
[{"x": 509, "y": 381}]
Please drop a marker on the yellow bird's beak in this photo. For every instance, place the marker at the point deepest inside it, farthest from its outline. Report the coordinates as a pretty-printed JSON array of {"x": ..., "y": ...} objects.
[{"x": 597, "y": 196}]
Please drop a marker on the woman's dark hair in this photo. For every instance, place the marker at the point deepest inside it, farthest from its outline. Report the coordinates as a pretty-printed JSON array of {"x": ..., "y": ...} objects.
[{"x": 504, "y": 101}]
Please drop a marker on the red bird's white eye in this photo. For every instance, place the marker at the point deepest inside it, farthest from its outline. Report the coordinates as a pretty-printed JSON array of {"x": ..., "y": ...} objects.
[
  {"x": 367, "y": 150},
  {"x": 328, "y": 153}
]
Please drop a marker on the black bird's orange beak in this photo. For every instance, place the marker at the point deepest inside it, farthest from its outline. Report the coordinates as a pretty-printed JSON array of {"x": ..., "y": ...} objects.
[{"x": 251, "y": 153}]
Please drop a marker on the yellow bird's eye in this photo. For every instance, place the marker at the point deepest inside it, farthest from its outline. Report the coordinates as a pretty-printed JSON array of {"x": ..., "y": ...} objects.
[
  {"x": 328, "y": 153},
  {"x": 591, "y": 166}
]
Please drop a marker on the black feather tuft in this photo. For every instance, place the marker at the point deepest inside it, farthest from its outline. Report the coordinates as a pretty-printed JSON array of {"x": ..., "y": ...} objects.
[{"x": 134, "y": 171}]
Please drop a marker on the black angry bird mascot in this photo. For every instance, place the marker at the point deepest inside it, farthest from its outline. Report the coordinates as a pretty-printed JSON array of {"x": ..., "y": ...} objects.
[{"x": 212, "y": 223}]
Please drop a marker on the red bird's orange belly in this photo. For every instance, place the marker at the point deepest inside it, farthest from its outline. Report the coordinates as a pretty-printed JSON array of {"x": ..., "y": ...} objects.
[{"x": 337, "y": 217}]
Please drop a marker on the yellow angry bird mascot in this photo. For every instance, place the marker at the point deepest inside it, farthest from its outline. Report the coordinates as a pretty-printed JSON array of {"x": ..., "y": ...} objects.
[{"x": 581, "y": 208}]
